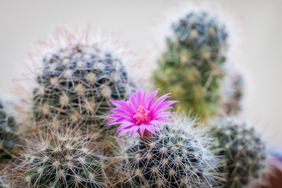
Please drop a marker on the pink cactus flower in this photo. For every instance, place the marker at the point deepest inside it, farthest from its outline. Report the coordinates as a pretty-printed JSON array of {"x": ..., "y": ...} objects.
[{"x": 143, "y": 113}]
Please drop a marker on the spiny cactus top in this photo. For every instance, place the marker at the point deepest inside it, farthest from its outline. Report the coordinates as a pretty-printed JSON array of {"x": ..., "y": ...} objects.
[
  {"x": 200, "y": 30},
  {"x": 173, "y": 158},
  {"x": 62, "y": 160},
  {"x": 243, "y": 150},
  {"x": 143, "y": 113},
  {"x": 77, "y": 83},
  {"x": 191, "y": 66},
  {"x": 8, "y": 137}
]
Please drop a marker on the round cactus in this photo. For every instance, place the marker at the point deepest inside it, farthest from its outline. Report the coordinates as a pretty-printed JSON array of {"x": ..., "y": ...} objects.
[
  {"x": 172, "y": 158},
  {"x": 8, "y": 137},
  {"x": 232, "y": 89},
  {"x": 62, "y": 160},
  {"x": 191, "y": 66},
  {"x": 77, "y": 83},
  {"x": 243, "y": 150}
]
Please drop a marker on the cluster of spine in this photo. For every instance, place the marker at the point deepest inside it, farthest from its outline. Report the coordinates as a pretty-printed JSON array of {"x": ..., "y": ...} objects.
[
  {"x": 8, "y": 137},
  {"x": 172, "y": 158},
  {"x": 191, "y": 67},
  {"x": 233, "y": 89},
  {"x": 243, "y": 150},
  {"x": 77, "y": 84},
  {"x": 62, "y": 160},
  {"x": 2, "y": 184}
]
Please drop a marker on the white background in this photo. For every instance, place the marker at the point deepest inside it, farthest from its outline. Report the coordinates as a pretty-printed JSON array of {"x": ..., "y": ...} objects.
[{"x": 256, "y": 40}]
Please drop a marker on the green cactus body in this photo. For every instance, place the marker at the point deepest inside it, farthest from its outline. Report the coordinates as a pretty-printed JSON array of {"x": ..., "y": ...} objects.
[
  {"x": 173, "y": 158},
  {"x": 8, "y": 137},
  {"x": 191, "y": 66},
  {"x": 77, "y": 84},
  {"x": 243, "y": 150},
  {"x": 62, "y": 160}
]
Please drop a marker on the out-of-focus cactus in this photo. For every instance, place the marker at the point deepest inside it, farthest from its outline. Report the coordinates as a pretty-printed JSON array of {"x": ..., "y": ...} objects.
[
  {"x": 2, "y": 183},
  {"x": 8, "y": 137},
  {"x": 233, "y": 90},
  {"x": 244, "y": 152},
  {"x": 171, "y": 158},
  {"x": 60, "y": 160},
  {"x": 77, "y": 83},
  {"x": 191, "y": 66}
]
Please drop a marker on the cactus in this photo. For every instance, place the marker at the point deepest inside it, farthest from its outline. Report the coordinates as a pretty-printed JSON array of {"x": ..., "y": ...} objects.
[
  {"x": 77, "y": 82},
  {"x": 233, "y": 89},
  {"x": 2, "y": 184},
  {"x": 244, "y": 152},
  {"x": 191, "y": 67},
  {"x": 60, "y": 159},
  {"x": 8, "y": 137},
  {"x": 172, "y": 158}
]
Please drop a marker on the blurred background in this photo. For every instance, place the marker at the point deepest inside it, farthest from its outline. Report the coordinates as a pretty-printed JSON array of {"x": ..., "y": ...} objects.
[{"x": 255, "y": 31}]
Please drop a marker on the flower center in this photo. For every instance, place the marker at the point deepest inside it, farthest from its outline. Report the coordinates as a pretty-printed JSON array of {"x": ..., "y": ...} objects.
[{"x": 142, "y": 116}]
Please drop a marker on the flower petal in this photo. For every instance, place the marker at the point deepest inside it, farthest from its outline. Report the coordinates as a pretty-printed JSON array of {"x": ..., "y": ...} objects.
[
  {"x": 133, "y": 131},
  {"x": 123, "y": 132},
  {"x": 152, "y": 130},
  {"x": 152, "y": 97}
]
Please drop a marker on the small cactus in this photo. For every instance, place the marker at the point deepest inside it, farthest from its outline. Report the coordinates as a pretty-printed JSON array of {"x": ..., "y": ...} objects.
[
  {"x": 172, "y": 158},
  {"x": 8, "y": 137},
  {"x": 77, "y": 83},
  {"x": 62, "y": 160},
  {"x": 191, "y": 66},
  {"x": 233, "y": 90},
  {"x": 243, "y": 150}
]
